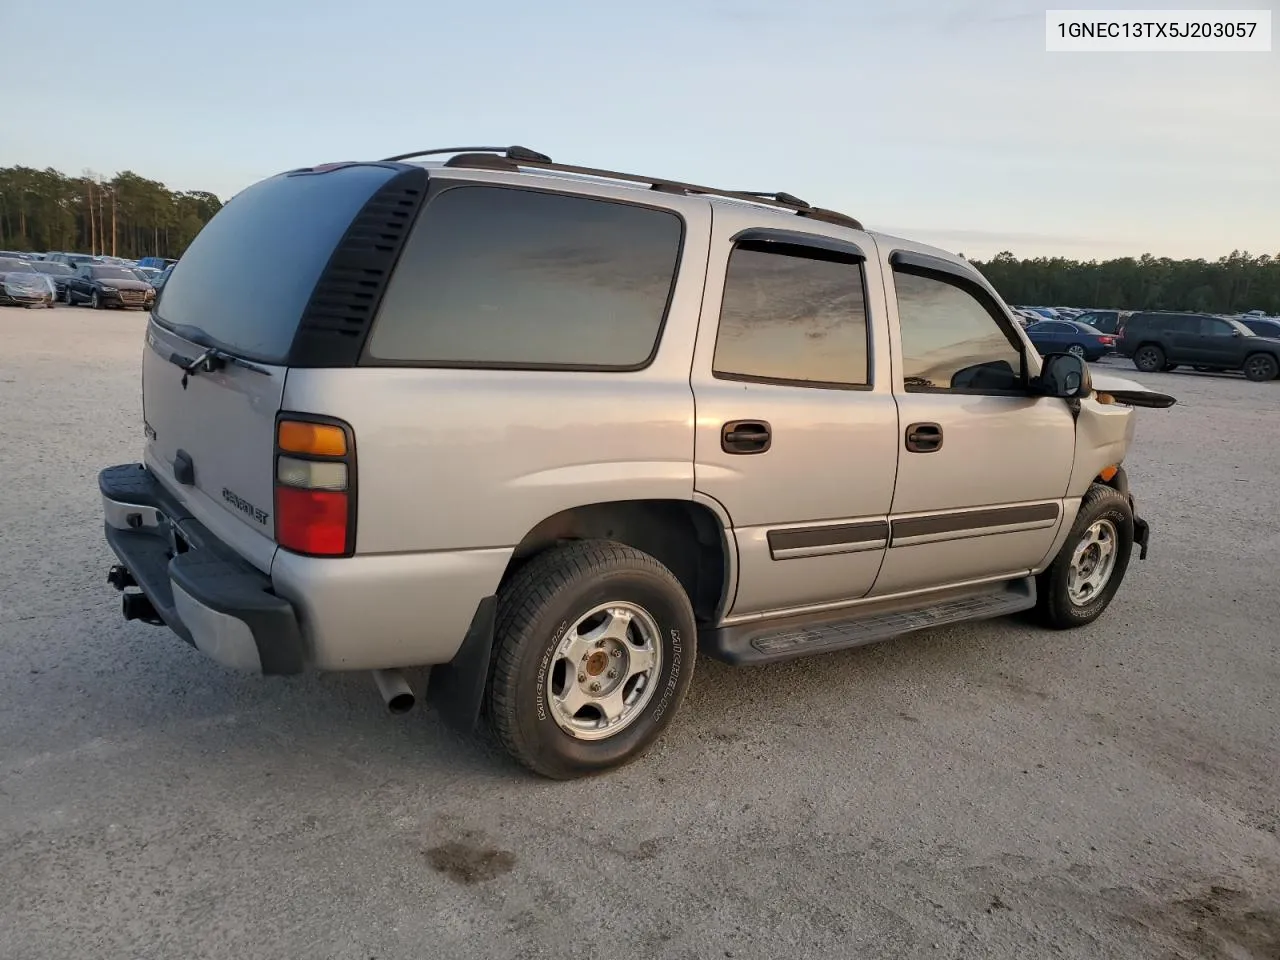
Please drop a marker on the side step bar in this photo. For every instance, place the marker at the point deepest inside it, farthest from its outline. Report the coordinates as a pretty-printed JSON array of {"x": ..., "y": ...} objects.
[{"x": 771, "y": 641}]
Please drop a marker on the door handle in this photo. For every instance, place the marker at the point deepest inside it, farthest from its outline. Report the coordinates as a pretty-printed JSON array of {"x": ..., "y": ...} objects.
[
  {"x": 924, "y": 437},
  {"x": 745, "y": 436}
]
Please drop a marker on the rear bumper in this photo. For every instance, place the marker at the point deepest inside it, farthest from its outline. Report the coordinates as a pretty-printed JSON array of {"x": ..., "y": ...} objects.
[
  {"x": 201, "y": 590},
  {"x": 369, "y": 612}
]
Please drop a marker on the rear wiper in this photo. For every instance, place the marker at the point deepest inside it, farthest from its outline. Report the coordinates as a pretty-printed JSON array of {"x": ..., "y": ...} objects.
[{"x": 212, "y": 359}]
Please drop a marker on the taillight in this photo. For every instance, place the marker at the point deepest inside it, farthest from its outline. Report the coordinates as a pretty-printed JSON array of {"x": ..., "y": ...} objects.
[
  {"x": 1107, "y": 340},
  {"x": 315, "y": 486}
]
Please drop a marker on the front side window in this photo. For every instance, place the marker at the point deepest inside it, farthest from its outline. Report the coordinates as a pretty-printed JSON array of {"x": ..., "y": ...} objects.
[
  {"x": 950, "y": 339},
  {"x": 792, "y": 315},
  {"x": 496, "y": 276}
]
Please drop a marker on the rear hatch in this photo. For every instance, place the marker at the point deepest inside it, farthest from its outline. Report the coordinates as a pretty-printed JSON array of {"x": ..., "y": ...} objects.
[{"x": 241, "y": 290}]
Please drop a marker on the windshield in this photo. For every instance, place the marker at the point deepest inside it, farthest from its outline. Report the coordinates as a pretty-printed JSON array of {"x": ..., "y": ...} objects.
[
  {"x": 111, "y": 273},
  {"x": 16, "y": 266},
  {"x": 60, "y": 269}
]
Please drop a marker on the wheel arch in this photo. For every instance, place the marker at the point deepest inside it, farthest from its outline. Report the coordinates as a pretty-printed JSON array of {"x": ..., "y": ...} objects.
[{"x": 688, "y": 537}]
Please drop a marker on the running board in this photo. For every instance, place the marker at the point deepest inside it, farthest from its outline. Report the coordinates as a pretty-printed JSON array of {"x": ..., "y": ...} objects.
[{"x": 769, "y": 641}]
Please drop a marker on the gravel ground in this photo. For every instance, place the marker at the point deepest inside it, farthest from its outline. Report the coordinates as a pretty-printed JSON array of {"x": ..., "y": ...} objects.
[{"x": 988, "y": 791}]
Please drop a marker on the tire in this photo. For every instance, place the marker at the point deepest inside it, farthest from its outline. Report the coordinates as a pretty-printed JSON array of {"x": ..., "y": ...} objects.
[
  {"x": 94, "y": 301},
  {"x": 1058, "y": 605},
  {"x": 1260, "y": 367},
  {"x": 1076, "y": 350},
  {"x": 1149, "y": 358},
  {"x": 70, "y": 302},
  {"x": 1170, "y": 367},
  {"x": 537, "y": 614}
]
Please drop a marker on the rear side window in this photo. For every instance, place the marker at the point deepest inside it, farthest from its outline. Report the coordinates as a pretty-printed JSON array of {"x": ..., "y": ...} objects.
[
  {"x": 506, "y": 277},
  {"x": 792, "y": 315},
  {"x": 247, "y": 277}
]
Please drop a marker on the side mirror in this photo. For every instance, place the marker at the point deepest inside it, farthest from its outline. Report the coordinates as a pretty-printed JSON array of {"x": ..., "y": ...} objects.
[{"x": 1064, "y": 375}]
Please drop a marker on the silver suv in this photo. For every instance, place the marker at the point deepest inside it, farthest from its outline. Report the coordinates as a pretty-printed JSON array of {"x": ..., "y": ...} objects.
[{"x": 555, "y": 432}]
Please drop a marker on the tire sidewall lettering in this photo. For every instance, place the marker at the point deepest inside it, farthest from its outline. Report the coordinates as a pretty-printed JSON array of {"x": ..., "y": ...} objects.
[
  {"x": 542, "y": 686},
  {"x": 673, "y": 677}
]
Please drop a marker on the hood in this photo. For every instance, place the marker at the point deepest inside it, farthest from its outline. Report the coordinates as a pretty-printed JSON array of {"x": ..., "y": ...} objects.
[
  {"x": 1269, "y": 341},
  {"x": 1130, "y": 392},
  {"x": 124, "y": 284}
]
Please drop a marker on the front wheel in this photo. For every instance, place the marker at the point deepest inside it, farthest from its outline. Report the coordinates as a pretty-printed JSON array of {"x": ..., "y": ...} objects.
[
  {"x": 1261, "y": 366},
  {"x": 1149, "y": 358},
  {"x": 1084, "y": 577},
  {"x": 94, "y": 301},
  {"x": 595, "y": 644}
]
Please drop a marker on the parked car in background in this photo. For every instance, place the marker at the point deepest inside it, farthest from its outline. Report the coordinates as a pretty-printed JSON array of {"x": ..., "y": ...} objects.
[
  {"x": 163, "y": 277},
  {"x": 1105, "y": 321},
  {"x": 1163, "y": 341},
  {"x": 157, "y": 263},
  {"x": 147, "y": 274},
  {"x": 22, "y": 285},
  {"x": 73, "y": 260},
  {"x": 1070, "y": 336},
  {"x": 1262, "y": 326},
  {"x": 101, "y": 286},
  {"x": 59, "y": 273},
  {"x": 1043, "y": 313}
]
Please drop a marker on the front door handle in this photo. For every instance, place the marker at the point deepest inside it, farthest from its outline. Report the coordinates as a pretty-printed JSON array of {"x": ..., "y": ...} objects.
[
  {"x": 924, "y": 437},
  {"x": 745, "y": 436}
]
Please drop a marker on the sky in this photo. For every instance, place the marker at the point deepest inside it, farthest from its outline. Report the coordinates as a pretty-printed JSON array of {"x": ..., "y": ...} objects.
[{"x": 947, "y": 122}]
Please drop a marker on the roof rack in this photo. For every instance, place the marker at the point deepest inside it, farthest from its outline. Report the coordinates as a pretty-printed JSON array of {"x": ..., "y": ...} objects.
[{"x": 514, "y": 157}]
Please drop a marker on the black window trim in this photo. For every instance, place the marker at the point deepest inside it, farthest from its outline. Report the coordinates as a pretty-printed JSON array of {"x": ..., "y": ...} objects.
[
  {"x": 798, "y": 243},
  {"x": 439, "y": 185},
  {"x": 944, "y": 271}
]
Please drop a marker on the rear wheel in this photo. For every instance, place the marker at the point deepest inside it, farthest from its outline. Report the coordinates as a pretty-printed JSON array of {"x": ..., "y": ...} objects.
[
  {"x": 1084, "y": 577},
  {"x": 1149, "y": 358},
  {"x": 594, "y": 649},
  {"x": 1076, "y": 350},
  {"x": 1261, "y": 366}
]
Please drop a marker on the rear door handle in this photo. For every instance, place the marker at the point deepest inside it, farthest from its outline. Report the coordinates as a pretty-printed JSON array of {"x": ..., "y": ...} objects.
[
  {"x": 745, "y": 436},
  {"x": 924, "y": 437}
]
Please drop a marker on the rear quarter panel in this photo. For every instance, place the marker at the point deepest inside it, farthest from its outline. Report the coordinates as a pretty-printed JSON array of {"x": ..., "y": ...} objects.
[{"x": 452, "y": 459}]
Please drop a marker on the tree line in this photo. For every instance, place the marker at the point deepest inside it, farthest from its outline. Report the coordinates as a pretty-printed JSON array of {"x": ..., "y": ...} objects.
[
  {"x": 1231, "y": 284},
  {"x": 126, "y": 215}
]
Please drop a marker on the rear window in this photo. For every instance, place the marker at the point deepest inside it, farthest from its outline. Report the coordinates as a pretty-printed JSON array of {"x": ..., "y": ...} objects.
[
  {"x": 506, "y": 277},
  {"x": 246, "y": 278}
]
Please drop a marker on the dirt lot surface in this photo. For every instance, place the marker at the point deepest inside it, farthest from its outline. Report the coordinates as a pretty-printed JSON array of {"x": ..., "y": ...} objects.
[{"x": 988, "y": 791}]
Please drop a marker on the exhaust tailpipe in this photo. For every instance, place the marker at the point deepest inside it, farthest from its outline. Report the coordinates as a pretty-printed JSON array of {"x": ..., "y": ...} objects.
[
  {"x": 136, "y": 606},
  {"x": 395, "y": 690}
]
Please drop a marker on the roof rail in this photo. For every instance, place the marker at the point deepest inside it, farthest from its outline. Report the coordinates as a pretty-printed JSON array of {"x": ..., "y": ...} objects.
[{"x": 514, "y": 157}]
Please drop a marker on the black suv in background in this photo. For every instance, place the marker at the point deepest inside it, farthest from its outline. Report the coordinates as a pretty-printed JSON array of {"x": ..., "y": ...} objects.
[{"x": 1163, "y": 341}]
